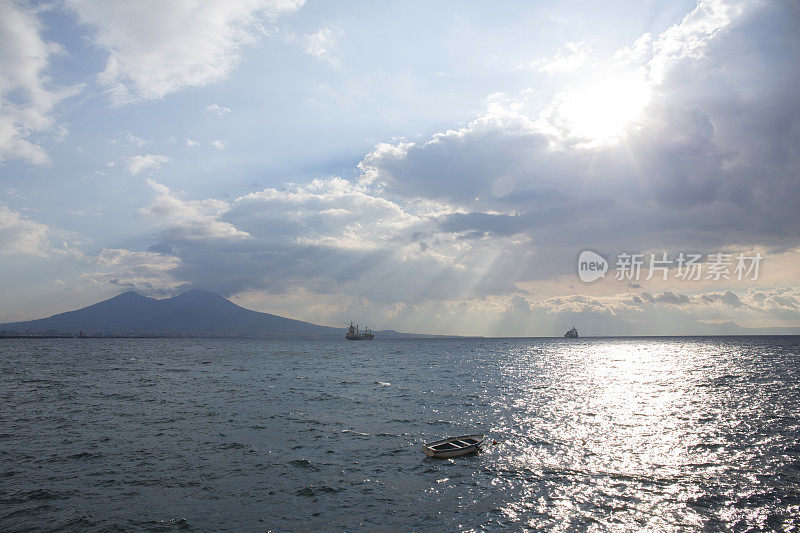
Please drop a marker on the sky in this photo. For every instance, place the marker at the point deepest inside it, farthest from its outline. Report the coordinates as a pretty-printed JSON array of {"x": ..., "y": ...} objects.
[{"x": 446, "y": 167}]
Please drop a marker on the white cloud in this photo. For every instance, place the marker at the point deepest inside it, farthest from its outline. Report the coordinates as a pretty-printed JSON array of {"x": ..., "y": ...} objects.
[
  {"x": 577, "y": 55},
  {"x": 19, "y": 235},
  {"x": 320, "y": 45},
  {"x": 190, "y": 220},
  {"x": 156, "y": 49},
  {"x": 661, "y": 312},
  {"x": 607, "y": 96},
  {"x": 695, "y": 31},
  {"x": 332, "y": 212},
  {"x": 192, "y": 143},
  {"x": 132, "y": 139},
  {"x": 146, "y": 272},
  {"x": 26, "y": 100},
  {"x": 219, "y": 110},
  {"x": 219, "y": 144},
  {"x": 138, "y": 163}
]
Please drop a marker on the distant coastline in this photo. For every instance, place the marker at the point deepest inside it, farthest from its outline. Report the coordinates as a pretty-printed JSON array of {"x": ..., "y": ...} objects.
[
  {"x": 205, "y": 314},
  {"x": 386, "y": 335},
  {"x": 395, "y": 336}
]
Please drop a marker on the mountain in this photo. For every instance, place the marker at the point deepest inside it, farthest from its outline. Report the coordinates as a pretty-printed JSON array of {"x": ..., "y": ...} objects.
[{"x": 193, "y": 313}]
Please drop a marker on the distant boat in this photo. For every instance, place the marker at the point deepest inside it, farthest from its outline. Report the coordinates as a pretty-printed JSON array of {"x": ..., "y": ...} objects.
[
  {"x": 453, "y": 446},
  {"x": 572, "y": 334},
  {"x": 353, "y": 334}
]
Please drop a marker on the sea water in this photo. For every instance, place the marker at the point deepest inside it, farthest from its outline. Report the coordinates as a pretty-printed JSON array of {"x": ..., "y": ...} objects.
[{"x": 250, "y": 435}]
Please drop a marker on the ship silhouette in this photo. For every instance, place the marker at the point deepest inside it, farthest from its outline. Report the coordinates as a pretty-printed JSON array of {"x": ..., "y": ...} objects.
[{"x": 353, "y": 333}]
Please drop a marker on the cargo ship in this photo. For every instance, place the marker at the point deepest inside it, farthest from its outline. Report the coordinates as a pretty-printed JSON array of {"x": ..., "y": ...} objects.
[
  {"x": 572, "y": 334},
  {"x": 354, "y": 334}
]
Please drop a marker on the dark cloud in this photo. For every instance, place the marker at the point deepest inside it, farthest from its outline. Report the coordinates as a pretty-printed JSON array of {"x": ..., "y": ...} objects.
[
  {"x": 667, "y": 297},
  {"x": 727, "y": 297},
  {"x": 711, "y": 162}
]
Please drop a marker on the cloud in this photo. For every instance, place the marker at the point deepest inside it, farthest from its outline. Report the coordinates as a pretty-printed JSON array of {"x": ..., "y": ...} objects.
[
  {"x": 19, "y": 235},
  {"x": 687, "y": 170},
  {"x": 26, "y": 96},
  {"x": 219, "y": 144},
  {"x": 326, "y": 236},
  {"x": 466, "y": 229},
  {"x": 155, "y": 50},
  {"x": 216, "y": 109},
  {"x": 190, "y": 220},
  {"x": 138, "y": 163},
  {"x": 657, "y": 314},
  {"x": 192, "y": 143},
  {"x": 727, "y": 297},
  {"x": 331, "y": 212},
  {"x": 693, "y": 35},
  {"x": 667, "y": 297},
  {"x": 577, "y": 55},
  {"x": 132, "y": 139},
  {"x": 320, "y": 45},
  {"x": 784, "y": 301},
  {"x": 146, "y": 272}
]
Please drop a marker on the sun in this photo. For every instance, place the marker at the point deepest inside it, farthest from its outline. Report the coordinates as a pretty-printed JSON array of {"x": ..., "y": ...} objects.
[{"x": 600, "y": 110}]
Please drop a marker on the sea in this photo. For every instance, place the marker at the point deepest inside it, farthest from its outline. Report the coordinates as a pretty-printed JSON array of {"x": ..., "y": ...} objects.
[{"x": 589, "y": 434}]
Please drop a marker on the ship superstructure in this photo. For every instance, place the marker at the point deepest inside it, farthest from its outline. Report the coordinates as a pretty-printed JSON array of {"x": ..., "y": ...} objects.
[{"x": 354, "y": 334}]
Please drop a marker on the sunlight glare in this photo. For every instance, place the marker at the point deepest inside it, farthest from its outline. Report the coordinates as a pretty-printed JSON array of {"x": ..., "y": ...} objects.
[{"x": 600, "y": 111}]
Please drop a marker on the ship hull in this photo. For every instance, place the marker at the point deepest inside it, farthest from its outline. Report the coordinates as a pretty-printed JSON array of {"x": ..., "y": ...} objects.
[{"x": 359, "y": 337}]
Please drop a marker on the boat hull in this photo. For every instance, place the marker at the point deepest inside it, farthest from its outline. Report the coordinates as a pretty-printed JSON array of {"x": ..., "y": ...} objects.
[
  {"x": 453, "y": 446},
  {"x": 359, "y": 337}
]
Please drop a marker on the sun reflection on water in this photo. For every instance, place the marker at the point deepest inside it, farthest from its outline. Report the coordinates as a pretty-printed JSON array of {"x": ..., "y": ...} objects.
[{"x": 629, "y": 430}]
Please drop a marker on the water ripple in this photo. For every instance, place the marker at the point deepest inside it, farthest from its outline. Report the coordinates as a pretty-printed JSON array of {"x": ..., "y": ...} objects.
[{"x": 660, "y": 434}]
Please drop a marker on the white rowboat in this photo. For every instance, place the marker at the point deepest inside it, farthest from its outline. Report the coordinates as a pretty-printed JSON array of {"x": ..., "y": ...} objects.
[{"x": 453, "y": 446}]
